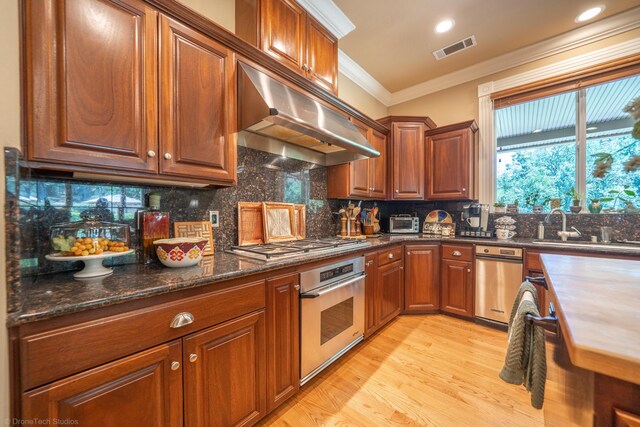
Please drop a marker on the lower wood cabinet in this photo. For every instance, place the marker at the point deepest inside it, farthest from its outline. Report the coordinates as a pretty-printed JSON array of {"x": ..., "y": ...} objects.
[
  {"x": 144, "y": 389},
  {"x": 389, "y": 286},
  {"x": 421, "y": 278},
  {"x": 225, "y": 373},
  {"x": 283, "y": 339},
  {"x": 383, "y": 288},
  {"x": 456, "y": 281}
]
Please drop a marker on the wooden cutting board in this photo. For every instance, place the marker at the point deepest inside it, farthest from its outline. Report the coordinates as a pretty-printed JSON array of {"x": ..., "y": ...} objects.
[
  {"x": 250, "y": 223},
  {"x": 279, "y": 222},
  {"x": 300, "y": 221}
]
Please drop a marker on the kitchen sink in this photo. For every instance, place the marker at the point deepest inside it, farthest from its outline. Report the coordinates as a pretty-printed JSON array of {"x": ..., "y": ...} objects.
[{"x": 579, "y": 244}]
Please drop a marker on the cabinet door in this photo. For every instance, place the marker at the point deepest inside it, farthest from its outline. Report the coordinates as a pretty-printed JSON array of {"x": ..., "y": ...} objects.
[
  {"x": 448, "y": 166},
  {"x": 456, "y": 282},
  {"x": 359, "y": 169},
  {"x": 197, "y": 105},
  {"x": 389, "y": 284},
  {"x": 224, "y": 369},
  {"x": 322, "y": 56},
  {"x": 421, "y": 279},
  {"x": 371, "y": 314},
  {"x": 143, "y": 389},
  {"x": 283, "y": 25},
  {"x": 408, "y": 161},
  {"x": 91, "y": 84},
  {"x": 378, "y": 166},
  {"x": 283, "y": 339}
]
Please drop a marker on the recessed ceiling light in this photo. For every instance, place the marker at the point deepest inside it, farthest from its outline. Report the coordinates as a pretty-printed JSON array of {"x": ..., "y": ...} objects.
[
  {"x": 445, "y": 26},
  {"x": 589, "y": 13},
  {"x": 537, "y": 131}
]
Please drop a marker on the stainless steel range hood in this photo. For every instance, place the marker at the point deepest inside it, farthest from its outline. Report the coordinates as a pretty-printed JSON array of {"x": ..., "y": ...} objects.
[{"x": 276, "y": 118}]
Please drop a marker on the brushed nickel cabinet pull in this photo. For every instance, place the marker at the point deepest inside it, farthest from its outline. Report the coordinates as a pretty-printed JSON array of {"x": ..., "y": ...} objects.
[
  {"x": 151, "y": 153},
  {"x": 175, "y": 366},
  {"x": 468, "y": 270},
  {"x": 297, "y": 287},
  {"x": 168, "y": 156},
  {"x": 456, "y": 253},
  {"x": 193, "y": 357},
  {"x": 182, "y": 319},
  {"x": 390, "y": 256}
]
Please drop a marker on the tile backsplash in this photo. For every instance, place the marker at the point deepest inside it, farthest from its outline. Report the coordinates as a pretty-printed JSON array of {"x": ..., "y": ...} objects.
[{"x": 44, "y": 201}]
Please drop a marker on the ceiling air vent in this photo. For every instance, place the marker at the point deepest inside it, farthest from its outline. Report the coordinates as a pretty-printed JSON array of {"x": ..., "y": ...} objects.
[{"x": 455, "y": 48}]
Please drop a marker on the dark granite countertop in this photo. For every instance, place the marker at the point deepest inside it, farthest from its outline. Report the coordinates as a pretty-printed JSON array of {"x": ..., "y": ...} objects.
[{"x": 53, "y": 295}]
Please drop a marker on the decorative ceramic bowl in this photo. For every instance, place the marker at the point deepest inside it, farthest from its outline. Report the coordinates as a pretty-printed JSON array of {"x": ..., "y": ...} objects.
[{"x": 180, "y": 251}]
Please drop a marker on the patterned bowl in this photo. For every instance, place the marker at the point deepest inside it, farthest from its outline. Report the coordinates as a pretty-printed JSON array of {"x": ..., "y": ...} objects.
[{"x": 180, "y": 251}]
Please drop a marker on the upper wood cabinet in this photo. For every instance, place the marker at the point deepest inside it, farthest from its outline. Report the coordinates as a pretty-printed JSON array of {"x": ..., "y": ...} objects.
[
  {"x": 407, "y": 156},
  {"x": 93, "y": 72},
  {"x": 364, "y": 178},
  {"x": 452, "y": 162},
  {"x": 283, "y": 339},
  {"x": 196, "y": 97},
  {"x": 285, "y": 31},
  {"x": 421, "y": 278}
]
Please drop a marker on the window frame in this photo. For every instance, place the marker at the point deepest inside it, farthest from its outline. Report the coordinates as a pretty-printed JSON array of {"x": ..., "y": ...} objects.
[{"x": 576, "y": 73}]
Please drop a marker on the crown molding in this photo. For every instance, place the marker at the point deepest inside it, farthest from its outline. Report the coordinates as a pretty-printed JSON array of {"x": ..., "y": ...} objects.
[
  {"x": 582, "y": 36},
  {"x": 359, "y": 76},
  {"x": 329, "y": 15}
]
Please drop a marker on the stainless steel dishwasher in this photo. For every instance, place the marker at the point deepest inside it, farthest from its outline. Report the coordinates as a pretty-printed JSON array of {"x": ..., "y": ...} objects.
[{"x": 498, "y": 278}]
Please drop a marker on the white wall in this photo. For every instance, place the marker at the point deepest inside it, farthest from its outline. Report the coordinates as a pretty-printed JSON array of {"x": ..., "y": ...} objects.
[
  {"x": 222, "y": 12},
  {"x": 9, "y": 136}
]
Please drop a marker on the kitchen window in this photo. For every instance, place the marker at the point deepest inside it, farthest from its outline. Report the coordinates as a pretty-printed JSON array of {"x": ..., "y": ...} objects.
[{"x": 546, "y": 145}]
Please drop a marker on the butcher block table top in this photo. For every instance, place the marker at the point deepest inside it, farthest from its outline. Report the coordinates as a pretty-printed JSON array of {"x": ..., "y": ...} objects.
[{"x": 598, "y": 306}]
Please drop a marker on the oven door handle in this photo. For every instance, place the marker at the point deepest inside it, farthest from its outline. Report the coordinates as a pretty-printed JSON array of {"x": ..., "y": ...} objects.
[{"x": 333, "y": 288}]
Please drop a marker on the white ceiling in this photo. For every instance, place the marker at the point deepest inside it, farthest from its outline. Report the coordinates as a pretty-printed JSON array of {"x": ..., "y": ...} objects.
[{"x": 393, "y": 41}]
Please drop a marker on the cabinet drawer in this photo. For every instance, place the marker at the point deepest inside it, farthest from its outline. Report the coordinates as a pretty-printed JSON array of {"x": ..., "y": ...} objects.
[
  {"x": 456, "y": 252},
  {"x": 54, "y": 354},
  {"x": 532, "y": 261},
  {"x": 390, "y": 255}
]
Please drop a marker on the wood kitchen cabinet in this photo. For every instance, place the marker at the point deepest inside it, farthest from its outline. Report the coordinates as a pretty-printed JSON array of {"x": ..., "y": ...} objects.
[
  {"x": 421, "y": 278},
  {"x": 285, "y": 31},
  {"x": 406, "y": 165},
  {"x": 364, "y": 178},
  {"x": 383, "y": 288},
  {"x": 224, "y": 373},
  {"x": 283, "y": 339},
  {"x": 144, "y": 389},
  {"x": 456, "y": 280},
  {"x": 111, "y": 86},
  {"x": 452, "y": 162}
]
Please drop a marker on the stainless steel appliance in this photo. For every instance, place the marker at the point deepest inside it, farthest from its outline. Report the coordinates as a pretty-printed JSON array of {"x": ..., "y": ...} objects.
[
  {"x": 331, "y": 314},
  {"x": 475, "y": 219},
  {"x": 273, "y": 251},
  {"x": 498, "y": 278},
  {"x": 281, "y": 120},
  {"x": 404, "y": 224}
]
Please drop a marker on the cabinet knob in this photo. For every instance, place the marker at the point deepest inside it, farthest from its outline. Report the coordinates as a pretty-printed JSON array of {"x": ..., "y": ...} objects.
[
  {"x": 369, "y": 263},
  {"x": 168, "y": 156},
  {"x": 151, "y": 153},
  {"x": 297, "y": 287},
  {"x": 182, "y": 319},
  {"x": 304, "y": 67},
  {"x": 310, "y": 70},
  {"x": 456, "y": 253},
  {"x": 390, "y": 256},
  {"x": 464, "y": 189},
  {"x": 397, "y": 191},
  {"x": 193, "y": 357},
  {"x": 468, "y": 270},
  {"x": 175, "y": 365},
  {"x": 401, "y": 268}
]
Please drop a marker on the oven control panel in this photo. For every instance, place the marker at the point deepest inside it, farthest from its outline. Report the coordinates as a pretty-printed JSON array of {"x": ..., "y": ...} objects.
[{"x": 335, "y": 272}]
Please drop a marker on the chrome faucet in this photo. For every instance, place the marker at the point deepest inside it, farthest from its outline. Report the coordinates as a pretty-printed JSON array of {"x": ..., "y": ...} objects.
[{"x": 563, "y": 233}]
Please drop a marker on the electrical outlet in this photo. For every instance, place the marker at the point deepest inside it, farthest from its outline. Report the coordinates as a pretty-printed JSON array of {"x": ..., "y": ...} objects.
[{"x": 214, "y": 217}]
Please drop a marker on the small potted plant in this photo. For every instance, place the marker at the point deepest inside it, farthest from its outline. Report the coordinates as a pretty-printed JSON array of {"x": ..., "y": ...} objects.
[
  {"x": 535, "y": 201},
  {"x": 575, "y": 200},
  {"x": 512, "y": 208},
  {"x": 500, "y": 207}
]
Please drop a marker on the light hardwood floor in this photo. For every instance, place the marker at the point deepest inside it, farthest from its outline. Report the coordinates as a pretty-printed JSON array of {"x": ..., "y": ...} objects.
[{"x": 420, "y": 370}]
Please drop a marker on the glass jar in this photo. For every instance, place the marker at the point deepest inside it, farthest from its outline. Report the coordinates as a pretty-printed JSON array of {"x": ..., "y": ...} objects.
[{"x": 90, "y": 236}]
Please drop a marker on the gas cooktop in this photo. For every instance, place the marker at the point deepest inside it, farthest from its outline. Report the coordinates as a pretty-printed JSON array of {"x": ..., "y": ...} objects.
[{"x": 272, "y": 251}]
